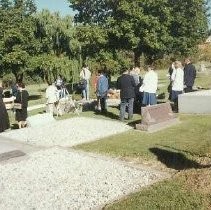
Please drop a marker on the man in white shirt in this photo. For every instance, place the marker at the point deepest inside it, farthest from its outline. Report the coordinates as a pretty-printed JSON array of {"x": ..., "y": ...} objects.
[
  {"x": 51, "y": 95},
  {"x": 86, "y": 75},
  {"x": 177, "y": 79}
]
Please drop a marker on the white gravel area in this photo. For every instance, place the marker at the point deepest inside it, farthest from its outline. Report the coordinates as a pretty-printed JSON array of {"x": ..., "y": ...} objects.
[
  {"x": 60, "y": 179},
  {"x": 68, "y": 132}
]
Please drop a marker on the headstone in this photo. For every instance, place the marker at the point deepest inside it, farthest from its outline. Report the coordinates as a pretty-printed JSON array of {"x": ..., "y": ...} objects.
[
  {"x": 40, "y": 120},
  {"x": 157, "y": 117},
  {"x": 198, "y": 102},
  {"x": 8, "y": 152}
]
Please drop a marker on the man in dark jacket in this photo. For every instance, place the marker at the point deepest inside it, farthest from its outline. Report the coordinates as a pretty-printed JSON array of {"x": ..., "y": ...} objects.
[
  {"x": 189, "y": 75},
  {"x": 126, "y": 84}
]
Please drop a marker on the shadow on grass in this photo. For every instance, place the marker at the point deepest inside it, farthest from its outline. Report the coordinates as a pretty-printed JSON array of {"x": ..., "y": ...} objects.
[
  {"x": 175, "y": 160},
  {"x": 133, "y": 123},
  {"x": 107, "y": 114},
  {"x": 34, "y": 97},
  {"x": 14, "y": 126},
  {"x": 183, "y": 151}
]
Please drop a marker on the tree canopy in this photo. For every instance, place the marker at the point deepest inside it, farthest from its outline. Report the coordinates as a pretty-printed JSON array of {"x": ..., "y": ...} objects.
[
  {"x": 154, "y": 28},
  {"x": 104, "y": 33}
]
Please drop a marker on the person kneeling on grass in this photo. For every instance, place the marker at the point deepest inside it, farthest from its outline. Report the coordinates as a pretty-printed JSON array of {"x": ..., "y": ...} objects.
[{"x": 102, "y": 90}]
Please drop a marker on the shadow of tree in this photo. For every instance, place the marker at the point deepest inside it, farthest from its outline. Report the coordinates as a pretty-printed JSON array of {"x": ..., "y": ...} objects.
[
  {"x": 175, "y": 160},
  {"x": 34, "y": 97},
  {"x": 107, "y": 114},
  {"x": 183, "y": 151}
]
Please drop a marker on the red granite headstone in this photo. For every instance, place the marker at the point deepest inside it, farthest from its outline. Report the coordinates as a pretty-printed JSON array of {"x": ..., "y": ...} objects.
[{"x": 156, "y": 117}]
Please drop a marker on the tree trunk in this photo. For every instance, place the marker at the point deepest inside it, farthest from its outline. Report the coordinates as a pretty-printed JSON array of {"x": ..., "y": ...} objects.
[
  {"x": 18, "y": 76},
  {"x": 137, "y": 56}
]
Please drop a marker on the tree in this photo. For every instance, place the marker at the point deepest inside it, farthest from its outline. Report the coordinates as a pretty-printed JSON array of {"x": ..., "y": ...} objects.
[
  {"x": 149, "y": 27},
  {"x": 189, "y": 26},
  {"x": 16, "y": 37},
  {"x": 5, "y": 4},
  {"x": 54, "y": 32}
]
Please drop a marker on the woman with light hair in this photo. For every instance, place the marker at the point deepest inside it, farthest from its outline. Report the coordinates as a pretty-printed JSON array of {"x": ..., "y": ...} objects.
[
  {"x": 177, "y": 79},
  {"x": 135, "y": 73},
  {"x": 149, "y": 87}
]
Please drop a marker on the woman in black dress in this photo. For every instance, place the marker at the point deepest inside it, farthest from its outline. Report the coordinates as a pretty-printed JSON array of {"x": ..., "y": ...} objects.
[
  {"x": 4, "y": 119},
  {"x": 22, "y": 98}
]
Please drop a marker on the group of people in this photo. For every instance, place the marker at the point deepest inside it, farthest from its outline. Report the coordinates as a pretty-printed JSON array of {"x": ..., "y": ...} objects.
[
  {"x": 132, "y": 88},
  {"x": 130, "y": 84},
  {"x": 135, "y": 89},
  {"x": 181, "y": 79},
  {"x": 21, "y": 98}
]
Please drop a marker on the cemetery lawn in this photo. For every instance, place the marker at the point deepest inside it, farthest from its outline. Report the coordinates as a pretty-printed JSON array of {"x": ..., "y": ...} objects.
[
  {"x": 191, "y": 137},
  {"x": 183, "y": 150},
  {"x": 185, "y": 191}
]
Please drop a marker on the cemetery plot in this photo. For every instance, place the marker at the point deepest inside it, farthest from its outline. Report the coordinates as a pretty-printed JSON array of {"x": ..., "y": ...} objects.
[
  {"x": 58, "y": 179},
  {"x": 69, "y": 132}
]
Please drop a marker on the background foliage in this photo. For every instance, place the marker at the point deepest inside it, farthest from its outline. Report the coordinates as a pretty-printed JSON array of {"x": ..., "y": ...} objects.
[{"x": 104, "y": 34}]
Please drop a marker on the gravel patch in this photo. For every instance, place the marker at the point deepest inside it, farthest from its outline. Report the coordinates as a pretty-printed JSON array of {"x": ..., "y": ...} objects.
[
  {"x": 68, "y": 132},
  {"x": 59, "y": 179}
]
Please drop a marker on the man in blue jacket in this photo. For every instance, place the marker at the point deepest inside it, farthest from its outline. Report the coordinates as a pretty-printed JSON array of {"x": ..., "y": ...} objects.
[
  {"x": 102, "y": 90},
  {"x": 189, "y": 75}
]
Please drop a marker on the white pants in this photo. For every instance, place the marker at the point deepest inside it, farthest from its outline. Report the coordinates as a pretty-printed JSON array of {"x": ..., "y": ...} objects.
[{"x": 51, "y": 107}]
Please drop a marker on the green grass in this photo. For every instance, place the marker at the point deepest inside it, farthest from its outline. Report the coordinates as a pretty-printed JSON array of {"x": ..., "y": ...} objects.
[
  {"x": 36, "y": 94},
  {"x": 184, "y": 147},
  {"x": 192, "y": 136},
  {"x": 203, "y": 81},
  {"x": 174, "y": 194}
]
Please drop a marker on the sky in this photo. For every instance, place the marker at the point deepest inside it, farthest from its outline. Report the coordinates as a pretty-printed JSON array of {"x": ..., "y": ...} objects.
[
  {"x": 54, "y": 6},
  {"x": 63, "y": 7}
]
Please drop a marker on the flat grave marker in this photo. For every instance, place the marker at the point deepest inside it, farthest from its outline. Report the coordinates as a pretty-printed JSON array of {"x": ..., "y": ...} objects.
[{"x": 7, "y": 151}]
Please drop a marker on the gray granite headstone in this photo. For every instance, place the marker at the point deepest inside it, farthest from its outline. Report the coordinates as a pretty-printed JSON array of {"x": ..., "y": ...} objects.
[
  {"x": 157, "y": 117},
  {"x": 198, "y": 102}
]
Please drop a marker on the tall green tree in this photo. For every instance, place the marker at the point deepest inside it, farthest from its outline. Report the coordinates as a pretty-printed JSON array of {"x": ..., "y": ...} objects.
[
  {"x": 54, "y": 32},
  {"x": 189, "y": 25},
  {"x": 153, "y": 28},
  {"x": 16, "y": 37}
]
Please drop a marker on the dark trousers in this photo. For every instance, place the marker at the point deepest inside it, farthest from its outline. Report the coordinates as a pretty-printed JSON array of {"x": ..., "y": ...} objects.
[
  {"x": 174, "y": 98},
  {"x": 103, "y": 104},
  {"x": 124, "y": 103},
  {"x": 188, "y": 89}
]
